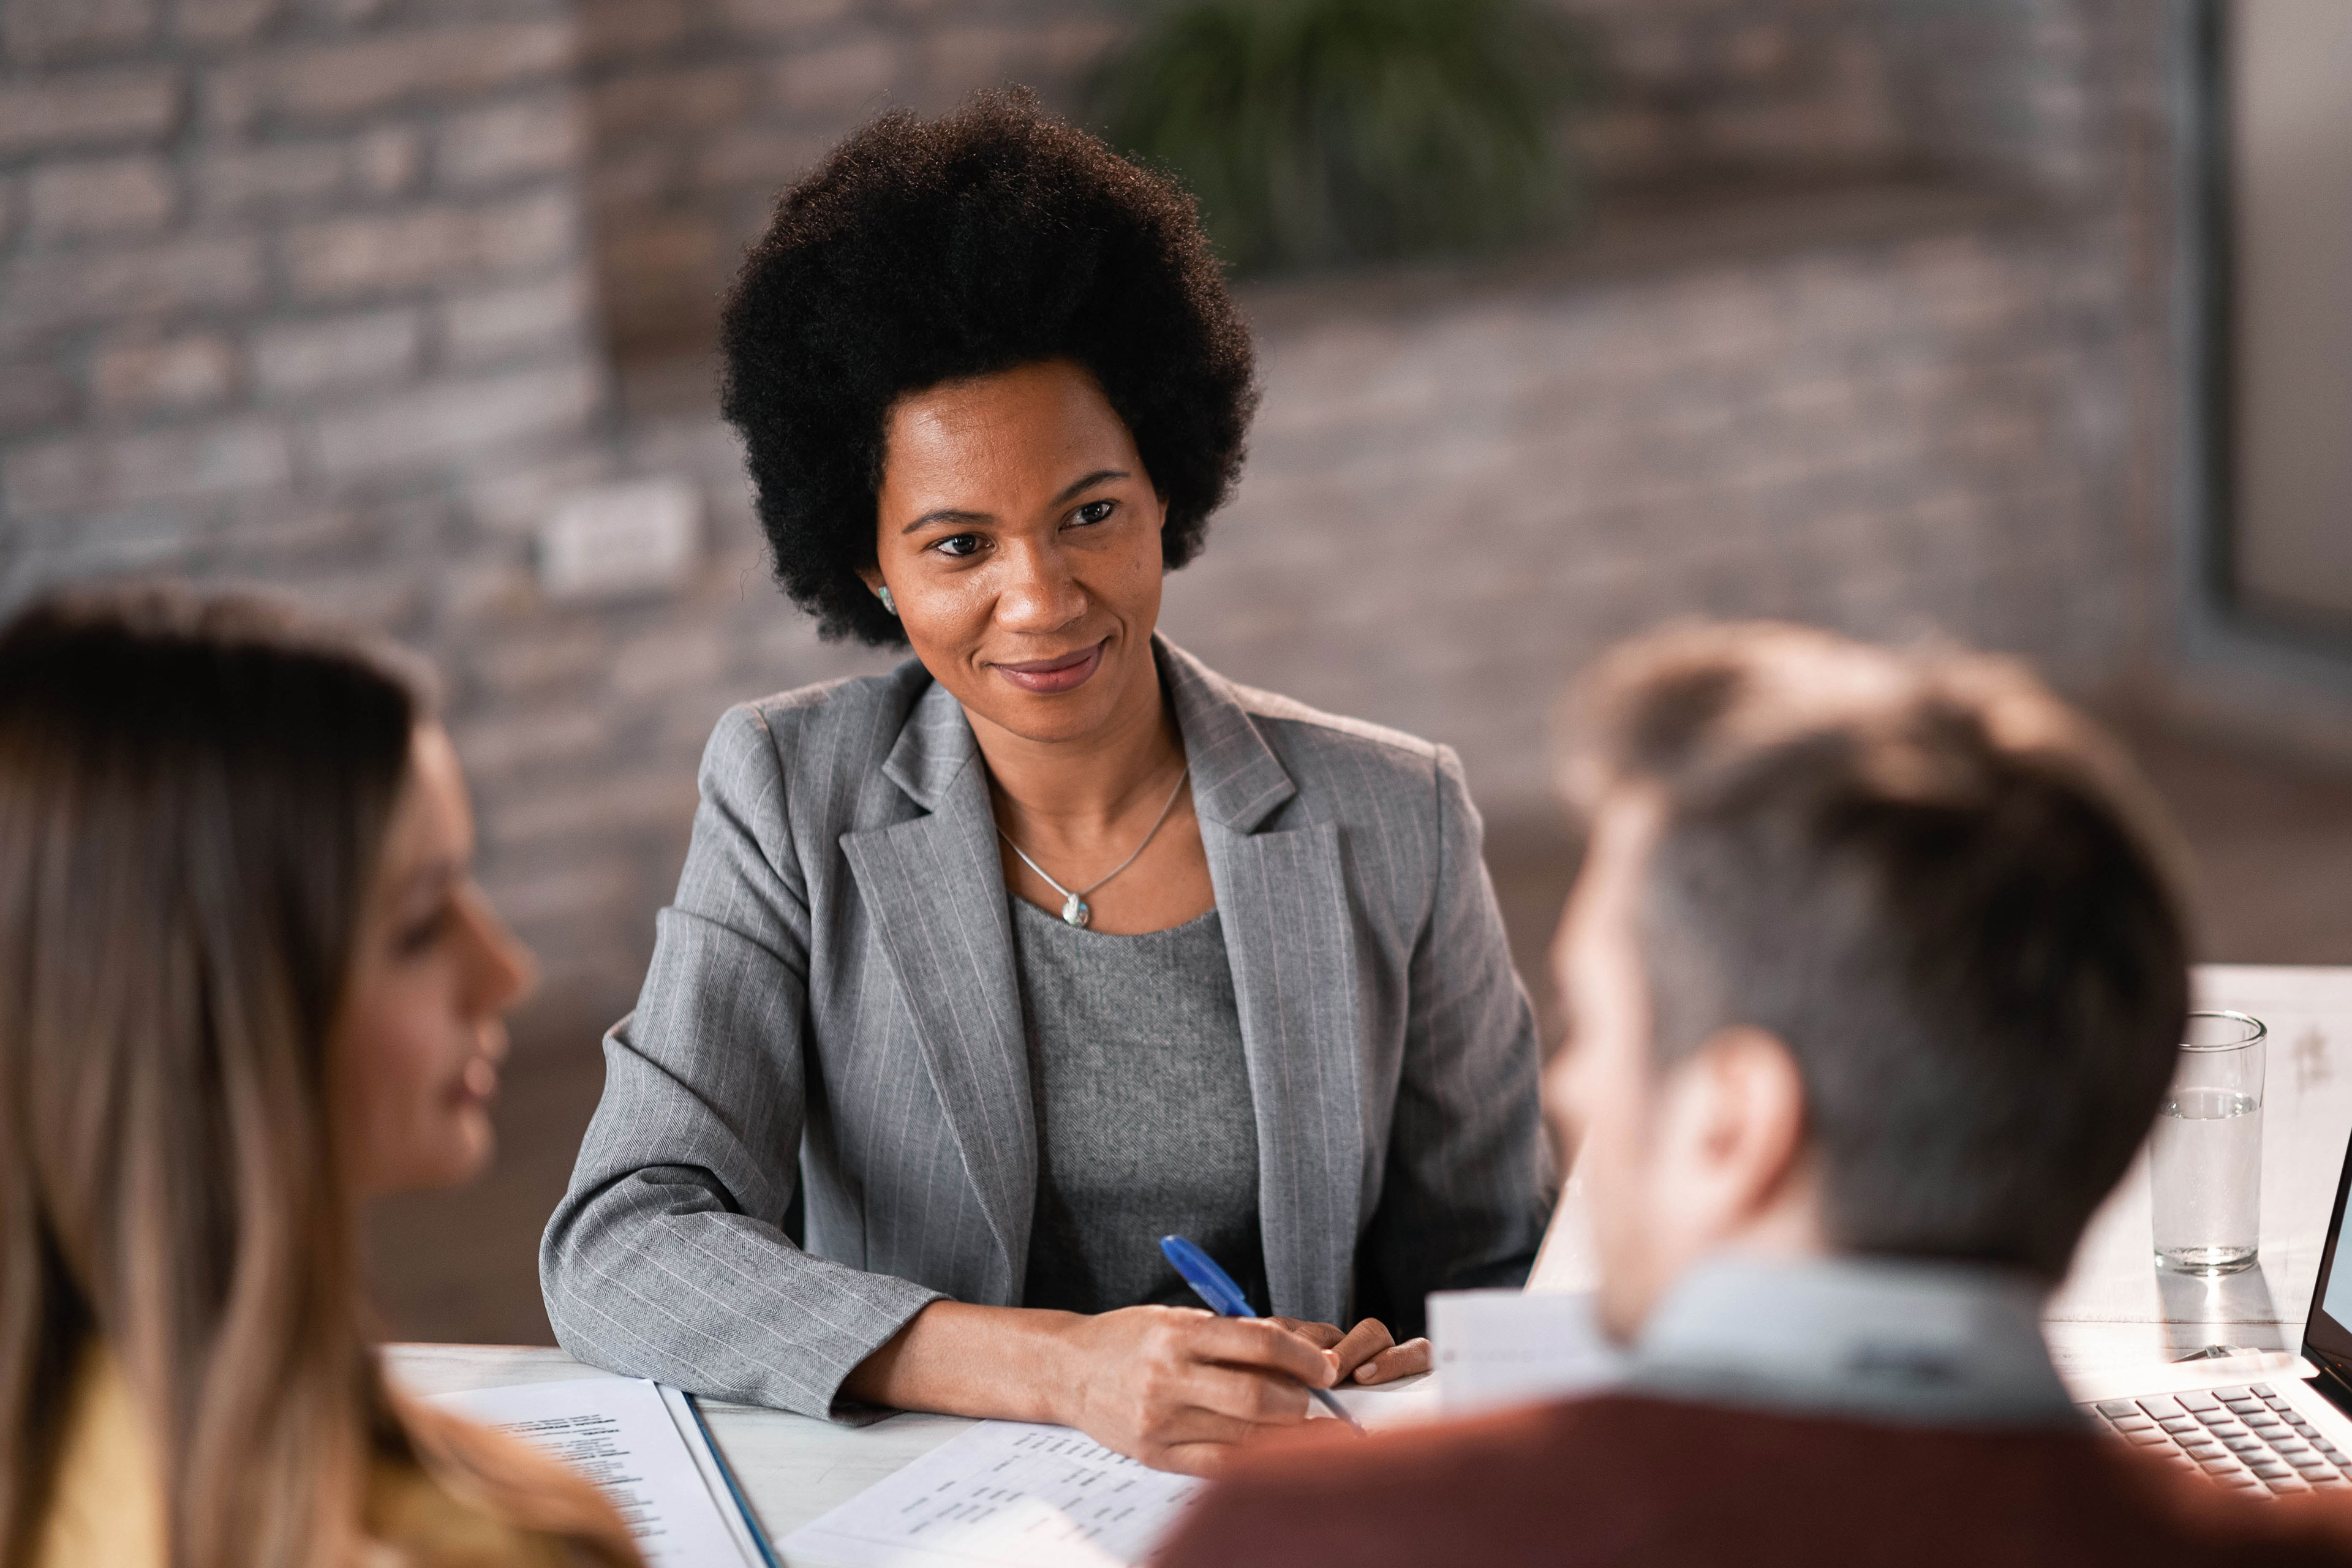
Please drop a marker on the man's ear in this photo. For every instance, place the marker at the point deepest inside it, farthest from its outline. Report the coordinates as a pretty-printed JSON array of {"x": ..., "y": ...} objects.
[{"x": 1735, "y": 1116}]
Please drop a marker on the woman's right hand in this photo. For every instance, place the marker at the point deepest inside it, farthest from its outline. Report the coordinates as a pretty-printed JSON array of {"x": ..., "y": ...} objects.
[{"x": 1178, "y": 1388}]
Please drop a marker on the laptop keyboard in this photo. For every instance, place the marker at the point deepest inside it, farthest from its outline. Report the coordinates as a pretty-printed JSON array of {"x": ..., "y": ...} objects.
[{"x": 2250, "y": 1439}]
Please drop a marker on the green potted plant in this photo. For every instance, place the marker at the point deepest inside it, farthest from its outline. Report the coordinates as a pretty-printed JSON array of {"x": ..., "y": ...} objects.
[{"x": 1327, "y": 132}]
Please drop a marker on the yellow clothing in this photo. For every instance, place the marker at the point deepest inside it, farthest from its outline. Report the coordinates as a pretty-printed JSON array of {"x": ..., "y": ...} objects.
[{"x": 106, "y": 1507}]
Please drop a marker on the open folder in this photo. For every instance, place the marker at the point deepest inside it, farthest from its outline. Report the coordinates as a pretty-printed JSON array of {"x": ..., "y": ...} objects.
[{"x": 645, "y": 1447}]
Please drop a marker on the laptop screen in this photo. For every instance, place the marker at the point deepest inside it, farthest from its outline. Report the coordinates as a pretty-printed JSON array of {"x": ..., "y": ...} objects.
[{"x": 2327, "y": 1332}]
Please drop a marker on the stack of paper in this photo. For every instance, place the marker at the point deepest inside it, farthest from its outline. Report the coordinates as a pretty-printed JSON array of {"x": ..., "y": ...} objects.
[
  {"x": 645, "y": 1450},
  {"x": 1513, "y": 1347},
  {"x": 1003, "y": 1492}
]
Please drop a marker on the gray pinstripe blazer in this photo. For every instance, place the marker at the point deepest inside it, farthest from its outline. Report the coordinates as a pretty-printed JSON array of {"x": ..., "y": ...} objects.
[{"x": 836, "y": 982}]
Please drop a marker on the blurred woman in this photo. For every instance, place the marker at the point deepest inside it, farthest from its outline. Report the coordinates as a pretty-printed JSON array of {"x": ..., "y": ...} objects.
[{"x": 249, "y": 982}]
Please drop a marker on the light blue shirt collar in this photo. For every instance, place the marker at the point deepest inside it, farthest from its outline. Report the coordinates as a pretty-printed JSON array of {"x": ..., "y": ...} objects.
[{"x": 1879, "y": 1339}]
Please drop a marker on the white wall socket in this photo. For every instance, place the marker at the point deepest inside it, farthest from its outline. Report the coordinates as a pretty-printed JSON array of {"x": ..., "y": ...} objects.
[{"x": 636, "y": 537}]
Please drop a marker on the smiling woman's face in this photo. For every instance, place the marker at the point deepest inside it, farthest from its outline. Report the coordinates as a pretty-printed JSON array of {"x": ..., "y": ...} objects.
[
  {"x": 420, "y": 1034},
  {"x": 1020, "y": 537}
]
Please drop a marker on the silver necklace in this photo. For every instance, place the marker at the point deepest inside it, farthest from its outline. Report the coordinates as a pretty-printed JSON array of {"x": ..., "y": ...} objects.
[{"x": 1074, "y": 908}]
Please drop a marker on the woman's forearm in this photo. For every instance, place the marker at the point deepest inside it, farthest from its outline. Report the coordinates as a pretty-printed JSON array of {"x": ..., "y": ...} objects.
[{"x": 1013, "y": 1364}]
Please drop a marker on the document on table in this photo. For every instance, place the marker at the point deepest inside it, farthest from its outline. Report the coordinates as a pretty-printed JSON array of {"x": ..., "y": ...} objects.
[
  {"x": 642, "y": 1446},
  {"x": 1497, "y": 1348},
  {"x": 1002, "y": 1493}
]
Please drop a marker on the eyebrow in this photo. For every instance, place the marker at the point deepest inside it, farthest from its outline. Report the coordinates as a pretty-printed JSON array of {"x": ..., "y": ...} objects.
[
  {"x": 1070, "y": 491},
  {"x": 434, "y": 877}
]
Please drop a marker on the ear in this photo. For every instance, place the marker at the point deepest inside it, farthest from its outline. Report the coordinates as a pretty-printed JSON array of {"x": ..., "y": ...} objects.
[
  {"x": 872, "y": 577},
  {"x": 1735, "y": 1119}
]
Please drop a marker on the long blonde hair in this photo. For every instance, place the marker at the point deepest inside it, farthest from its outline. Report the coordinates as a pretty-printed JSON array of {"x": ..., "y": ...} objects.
[{"x": 193, "y": 794}]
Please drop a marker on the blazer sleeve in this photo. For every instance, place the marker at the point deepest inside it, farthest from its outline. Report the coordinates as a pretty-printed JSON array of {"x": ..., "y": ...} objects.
[
  {"x": 668, "y": 1258},
  {"x": 1467, "y": 1188}
]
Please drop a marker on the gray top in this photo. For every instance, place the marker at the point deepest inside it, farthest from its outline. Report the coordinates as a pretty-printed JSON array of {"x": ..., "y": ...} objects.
[
  {"x": 1901, "y": 1340},
  {"x": 1144, "y": 1122}
]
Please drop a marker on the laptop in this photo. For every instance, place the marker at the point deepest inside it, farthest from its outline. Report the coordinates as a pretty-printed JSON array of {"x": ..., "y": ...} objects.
[{"x": 2264, "y": 1424}]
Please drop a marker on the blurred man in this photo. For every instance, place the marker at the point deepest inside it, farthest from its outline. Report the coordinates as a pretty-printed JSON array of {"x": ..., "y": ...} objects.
[{"x": 1875, "y": 974}]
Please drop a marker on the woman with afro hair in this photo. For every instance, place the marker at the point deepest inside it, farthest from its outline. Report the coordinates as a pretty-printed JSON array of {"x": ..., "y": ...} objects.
[{"x": 986, "y": 975}]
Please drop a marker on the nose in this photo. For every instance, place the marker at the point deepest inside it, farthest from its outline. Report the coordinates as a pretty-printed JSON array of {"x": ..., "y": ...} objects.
[
  {"x": 1039, "y": 594},
  {"x": 499, "y": 970}
]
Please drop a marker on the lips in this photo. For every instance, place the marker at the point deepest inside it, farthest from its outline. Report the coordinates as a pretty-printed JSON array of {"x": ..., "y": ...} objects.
[
  {"x": 1046, "y": 676},
  {"x": 478, "y": 1084}
]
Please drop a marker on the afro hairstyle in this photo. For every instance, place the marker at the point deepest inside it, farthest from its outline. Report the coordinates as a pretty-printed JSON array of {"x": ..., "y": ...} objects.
[{"x": 921, "y": 252}]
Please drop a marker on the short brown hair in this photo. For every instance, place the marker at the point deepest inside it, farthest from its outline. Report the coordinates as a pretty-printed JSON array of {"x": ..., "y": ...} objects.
[{"x": 1941, "y": 887}]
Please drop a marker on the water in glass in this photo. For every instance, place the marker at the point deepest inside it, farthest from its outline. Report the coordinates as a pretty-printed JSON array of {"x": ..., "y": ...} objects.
[{"x": 2207, "y": 1162}]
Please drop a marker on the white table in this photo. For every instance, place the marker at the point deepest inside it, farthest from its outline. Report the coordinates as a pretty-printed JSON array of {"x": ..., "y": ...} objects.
[{"x": 2114, "y": 1310}]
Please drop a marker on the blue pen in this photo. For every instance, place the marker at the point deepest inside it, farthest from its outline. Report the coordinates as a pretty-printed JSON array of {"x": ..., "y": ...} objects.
[{"x": 1224, "y": 1297}]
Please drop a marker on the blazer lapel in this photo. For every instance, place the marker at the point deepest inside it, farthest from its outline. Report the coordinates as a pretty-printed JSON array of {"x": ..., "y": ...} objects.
[
  {"x": 936, "y": 891},
  {"x": 1282, "y": 896}
]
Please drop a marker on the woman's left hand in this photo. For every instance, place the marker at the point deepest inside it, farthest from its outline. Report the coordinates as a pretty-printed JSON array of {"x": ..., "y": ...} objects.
[{"x": 1367, "y": 1354}]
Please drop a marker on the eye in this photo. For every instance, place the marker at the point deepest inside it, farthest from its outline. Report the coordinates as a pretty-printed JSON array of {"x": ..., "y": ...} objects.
[
  {"x": 1095, "y": 512},
  {"x": 958, "y": 545},
  {"x": 418, "y": 935}
]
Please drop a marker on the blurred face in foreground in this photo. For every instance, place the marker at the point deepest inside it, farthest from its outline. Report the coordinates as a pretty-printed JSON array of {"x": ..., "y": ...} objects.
[
  {"x": 1703, "y": 1154},
  {"x": 1020, "y": 538},
  {"x": 421, "y": 1030}
]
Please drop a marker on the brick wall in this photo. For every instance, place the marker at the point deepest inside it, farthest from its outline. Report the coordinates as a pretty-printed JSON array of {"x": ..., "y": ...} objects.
[
  {"x": 319, "y": 292},
  {"x": 300, "y": 293},
  {"x": 1462, "y": 487},
  {"x": 702, "y": 109},
  {"x": 1835, "y": 89}
]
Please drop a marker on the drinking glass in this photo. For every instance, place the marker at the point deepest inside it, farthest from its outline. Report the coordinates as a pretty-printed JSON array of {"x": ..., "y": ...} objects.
[{"x": 2206, "y": 1156}]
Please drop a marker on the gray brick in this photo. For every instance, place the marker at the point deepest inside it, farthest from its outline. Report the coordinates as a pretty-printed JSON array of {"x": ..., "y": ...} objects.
[
  {"x": 349, "y": 257},
  {"x": 666, "y": 102},
  {"x": 557, "y": 898},
  {"x": 99, "y": 196},
  {"x": 188, "y": 371},
  {"x": 385, "y": 596},
  {"x": 34, "y": 393},
  {"x": 138, "y": 541},
  {"x": 512, "y": 740},
  {"x": 667, "y": 662},
  {"x": 628, "y": 29},
  {"x": 515, "y": 497},
  {"x": 43, "y": 293},
  {"x": 221, "y": 21},
  {"x": 302, "y": 358},
  {"x": 41, "y": 32},
  {"x": 836, "y": 79},
  {"x": 263, "y": 534},
  {"x": 602, "y": 805},
  {"x": 552, "y": 656},
  {"x": 82, "y": 473},
  {"x": 259, "y": 179},
  {"x": 442, "y": 420},
  {"x": 385, "y": 162},
  {"x": 87, "y": 107},
  {"x": 958, "y": 59},
  {"x": 757, "y": 156},
  {"x": 540, "y": 135},
  {"x": 495, "y": 591},
  {"x": 338, "y": 81},
  {"x": 779, "y": 18},
  {"x": 514, "y": 322}
]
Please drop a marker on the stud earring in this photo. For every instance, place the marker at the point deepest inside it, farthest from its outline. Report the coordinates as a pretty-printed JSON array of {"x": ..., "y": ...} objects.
[{"x": 888, "y": 604}]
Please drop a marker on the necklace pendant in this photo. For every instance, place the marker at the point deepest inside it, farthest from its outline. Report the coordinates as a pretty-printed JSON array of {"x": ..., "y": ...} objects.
[{"x": 1075, "y": 912}]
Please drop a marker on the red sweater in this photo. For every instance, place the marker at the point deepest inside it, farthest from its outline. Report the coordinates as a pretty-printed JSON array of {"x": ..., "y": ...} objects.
[{"x": 1628, "y": 1479}]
